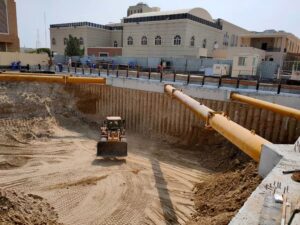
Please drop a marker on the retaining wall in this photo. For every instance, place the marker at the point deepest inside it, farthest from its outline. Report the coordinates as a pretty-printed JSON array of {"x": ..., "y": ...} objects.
[{"x": 148, "y": 112}]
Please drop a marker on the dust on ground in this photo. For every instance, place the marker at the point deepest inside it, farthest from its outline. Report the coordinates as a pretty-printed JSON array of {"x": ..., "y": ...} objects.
[{"x": 47, "y": 149}]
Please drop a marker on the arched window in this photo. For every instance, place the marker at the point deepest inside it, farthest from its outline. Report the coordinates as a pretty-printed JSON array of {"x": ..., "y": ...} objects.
[
  {"x": 65, "y": 41},
  {"x": 204, "y": 43},
  {"x": 158, "y": 40},
  {"x": 144, "y": 40},
  {"x": 115, "y": 44},
  {"x": 177, "y": 40},
  {"x": 53, "y": 41},
  {"x": 192, "y": 41},
  {"x": 129, "y": 40},
  {"x": 81, "y": 42}
]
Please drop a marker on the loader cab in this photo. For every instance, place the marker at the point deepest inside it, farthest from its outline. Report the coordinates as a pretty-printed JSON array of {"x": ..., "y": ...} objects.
[{"x": 114, "y": 123}]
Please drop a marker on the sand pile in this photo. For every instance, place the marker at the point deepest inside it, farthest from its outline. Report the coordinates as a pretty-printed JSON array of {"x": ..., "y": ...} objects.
[
  {"x": 28, "y": 112},
  {"x": 16, "y": 208},
  {"x": 217, "y": 200}
]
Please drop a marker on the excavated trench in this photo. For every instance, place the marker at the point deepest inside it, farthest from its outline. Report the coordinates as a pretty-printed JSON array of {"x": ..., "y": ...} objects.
[{"x": 177, "y": 172}]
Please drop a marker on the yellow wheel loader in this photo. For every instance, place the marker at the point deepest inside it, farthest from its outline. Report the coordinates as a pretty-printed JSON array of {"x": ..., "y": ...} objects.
[{"x": 113, "y": 141}]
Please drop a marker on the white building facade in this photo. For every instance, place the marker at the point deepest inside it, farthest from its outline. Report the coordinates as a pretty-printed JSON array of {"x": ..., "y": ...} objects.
[
  {"x": 180, "y": 33},
  {"x": 189, "y": 33}
]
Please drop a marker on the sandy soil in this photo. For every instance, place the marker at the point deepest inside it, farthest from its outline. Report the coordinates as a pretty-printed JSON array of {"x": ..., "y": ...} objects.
[{"x": 47, "y": 151}]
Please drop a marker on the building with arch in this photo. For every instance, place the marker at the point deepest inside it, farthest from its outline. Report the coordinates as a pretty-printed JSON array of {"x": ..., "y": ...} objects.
[{"x": 189, "y": 33}]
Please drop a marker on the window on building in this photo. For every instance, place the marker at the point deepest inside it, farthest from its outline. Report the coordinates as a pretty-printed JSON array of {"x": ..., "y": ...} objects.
[
  {"x": 242, "y": 61},
  {"x": 130, "y": 41},
  {"x": 177, "y": 40},
  {"x": 236, "y": 41},
  {"x": 4, "y": 17},
  {"x": 226, "y": 39},
  {"x": 192, "y": 41},
  {"x": 204, "y": 43},
  {"x": 103, "y": 54},
  {"x": 144, "y": 40},
  {"x": 53, "y": 41},
  {"x": 115, "y": 44},
  {"x": 158, "y": 40},
  {"x": 232, "y": 40},
  {"x": 65, "y": 41},
  {"x": 81, "y": 42},
  {"x": 254, "y": 62}
]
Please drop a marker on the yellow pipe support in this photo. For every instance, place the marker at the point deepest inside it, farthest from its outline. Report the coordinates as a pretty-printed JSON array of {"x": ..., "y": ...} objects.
[
  {"x": 246, "y": 140},
  {"x": 51, "y": 79},
  {"x": 85, "y": 80},
  {"x": 283, "y": 110},
  {"x": 31, "y": 78}
]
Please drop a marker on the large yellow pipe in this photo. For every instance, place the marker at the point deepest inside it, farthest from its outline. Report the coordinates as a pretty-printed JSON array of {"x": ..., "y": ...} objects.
[
  {"x": 32, "y": 78},
  {"x": 51, "y": 79},
  {"x": 85, "y": 80},
  {"x": 247, "y": 141},
  {"x": 283, "y": 110}
]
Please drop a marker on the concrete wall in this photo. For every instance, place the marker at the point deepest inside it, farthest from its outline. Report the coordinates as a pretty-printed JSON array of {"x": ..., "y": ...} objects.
[
  {"x": 231, "y": 52},
  {"x": 6, "y": 58},
  {"x": 151, "y": 112}
]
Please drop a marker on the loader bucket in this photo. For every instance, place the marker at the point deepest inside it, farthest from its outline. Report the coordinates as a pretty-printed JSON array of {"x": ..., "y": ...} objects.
[{"x": 112, "y": 149}]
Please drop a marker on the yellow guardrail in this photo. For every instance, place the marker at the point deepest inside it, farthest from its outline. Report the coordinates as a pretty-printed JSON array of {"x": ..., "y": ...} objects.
[{"x": 19, "y": 77}]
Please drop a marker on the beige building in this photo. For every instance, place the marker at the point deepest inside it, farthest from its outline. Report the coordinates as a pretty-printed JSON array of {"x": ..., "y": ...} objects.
[
  {"x": 9, "y": 40},
  {"x": 245, "y": 64},
  {"x": 178, "y": 33},
  {"x": 277, "y": 45},
  {"x": 190, "y": 33},
  {"x": 89, "y": 34},
  {"x": 141, "y": 8},
  {"x": 231, "y": 52}
]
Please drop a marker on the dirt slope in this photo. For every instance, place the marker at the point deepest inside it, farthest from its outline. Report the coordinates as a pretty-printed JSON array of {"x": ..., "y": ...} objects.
[{"x": 47, "y": 149}]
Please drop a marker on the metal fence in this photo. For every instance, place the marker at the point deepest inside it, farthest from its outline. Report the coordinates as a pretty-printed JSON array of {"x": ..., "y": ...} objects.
[{"x": 242, "y": 82}]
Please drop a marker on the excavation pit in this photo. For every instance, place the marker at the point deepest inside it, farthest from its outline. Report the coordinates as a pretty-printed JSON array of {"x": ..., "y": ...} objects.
[{"x": 175, "y": 172}]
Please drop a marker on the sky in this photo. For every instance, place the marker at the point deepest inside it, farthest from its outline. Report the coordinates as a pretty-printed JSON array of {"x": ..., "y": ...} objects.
[{"x": 253, "y": 15}]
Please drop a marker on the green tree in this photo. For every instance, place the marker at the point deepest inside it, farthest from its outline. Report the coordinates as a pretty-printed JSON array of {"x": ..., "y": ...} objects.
[
  {"x": 44, "y": 50},
  {"x": 73, "y": 47}
]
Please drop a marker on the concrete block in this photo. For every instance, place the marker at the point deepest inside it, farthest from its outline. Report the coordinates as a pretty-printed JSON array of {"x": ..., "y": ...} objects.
[{"x": 268, "y": 160}]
